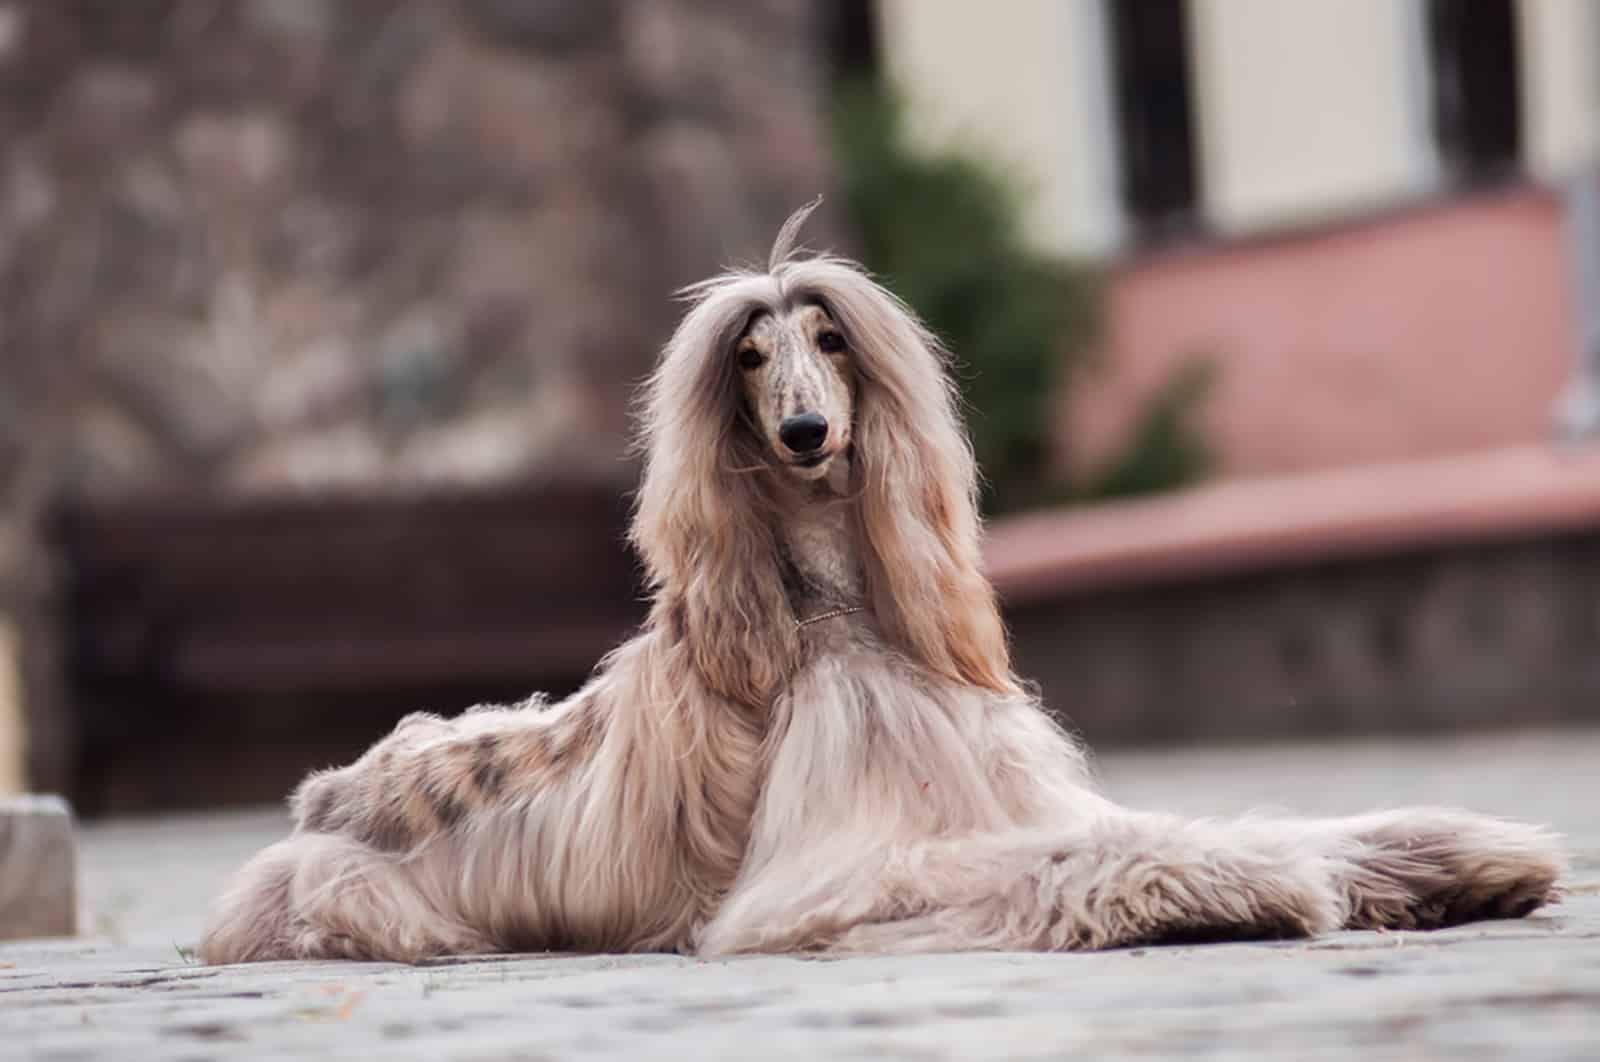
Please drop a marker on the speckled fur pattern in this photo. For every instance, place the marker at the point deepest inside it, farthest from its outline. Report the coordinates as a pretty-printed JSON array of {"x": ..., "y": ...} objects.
[{"x": 879, "y": 781}]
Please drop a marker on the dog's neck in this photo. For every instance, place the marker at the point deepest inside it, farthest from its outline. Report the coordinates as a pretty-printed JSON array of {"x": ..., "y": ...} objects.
[{"x": 822, "y": 558}]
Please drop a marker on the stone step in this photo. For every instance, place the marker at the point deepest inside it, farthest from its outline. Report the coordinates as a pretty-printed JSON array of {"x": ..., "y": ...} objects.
[{"x": 38, "y": 868}]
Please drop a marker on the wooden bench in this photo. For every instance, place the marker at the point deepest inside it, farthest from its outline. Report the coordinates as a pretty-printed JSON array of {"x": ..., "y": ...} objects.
[{"x": 214, "y": 650}]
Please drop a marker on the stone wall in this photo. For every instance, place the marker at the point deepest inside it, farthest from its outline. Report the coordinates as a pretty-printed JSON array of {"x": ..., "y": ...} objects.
[
  {"x": 1427, "y": 640},
  {"x": 273, "y": 244},
  {"x": 257, "y": 246}
]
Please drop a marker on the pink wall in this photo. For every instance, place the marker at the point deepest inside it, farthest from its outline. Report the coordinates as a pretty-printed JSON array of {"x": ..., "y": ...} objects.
[{"x": 1425, "y": 333}]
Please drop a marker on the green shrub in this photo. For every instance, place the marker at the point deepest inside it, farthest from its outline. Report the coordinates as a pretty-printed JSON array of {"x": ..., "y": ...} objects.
[
  {"x": 1165, "y": 449},
  {"x": 944, "y": 232}
]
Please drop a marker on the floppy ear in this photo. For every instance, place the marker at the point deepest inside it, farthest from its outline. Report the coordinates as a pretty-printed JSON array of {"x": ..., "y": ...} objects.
[
  {"x": 918, "y": 489},
  {"x": 698, "y": 521}
]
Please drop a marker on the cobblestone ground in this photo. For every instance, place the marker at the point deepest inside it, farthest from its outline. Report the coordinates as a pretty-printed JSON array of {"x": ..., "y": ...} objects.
[{"x": 1529, "y": 989}]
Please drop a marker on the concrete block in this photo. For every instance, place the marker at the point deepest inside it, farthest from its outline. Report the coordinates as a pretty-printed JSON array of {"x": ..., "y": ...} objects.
[
  {"x": 13, "y": 728},
  {"x": 38, "y": 868}
]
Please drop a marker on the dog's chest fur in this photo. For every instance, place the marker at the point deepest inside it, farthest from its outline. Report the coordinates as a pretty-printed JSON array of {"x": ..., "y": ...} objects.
[{"x": 822, "y": 564}]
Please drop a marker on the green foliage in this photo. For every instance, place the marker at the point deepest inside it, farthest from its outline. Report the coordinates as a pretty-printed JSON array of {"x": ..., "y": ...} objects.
[
  {"x": 1165, "y": 450},
  {"x": 944, "y": 232}
]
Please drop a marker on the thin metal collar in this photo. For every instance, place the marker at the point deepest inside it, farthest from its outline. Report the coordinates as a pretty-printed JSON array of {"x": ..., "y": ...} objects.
[{"x": 800, "y": 624}]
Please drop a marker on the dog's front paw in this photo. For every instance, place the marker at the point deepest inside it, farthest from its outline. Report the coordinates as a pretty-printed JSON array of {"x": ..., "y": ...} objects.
[{"x": 1429, "y": 868}]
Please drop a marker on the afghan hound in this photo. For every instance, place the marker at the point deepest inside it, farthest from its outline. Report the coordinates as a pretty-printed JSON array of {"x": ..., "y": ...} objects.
[{"x": 816, "y": 741}]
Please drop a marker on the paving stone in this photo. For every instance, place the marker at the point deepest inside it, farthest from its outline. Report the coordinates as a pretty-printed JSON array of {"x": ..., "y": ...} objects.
[
  {"x": 1528, "y": 988},
  {"x": 38, "y": 868}
]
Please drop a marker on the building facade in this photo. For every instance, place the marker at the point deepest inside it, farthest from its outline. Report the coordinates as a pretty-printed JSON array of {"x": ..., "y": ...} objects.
[{"x": 1374, "y": 216}]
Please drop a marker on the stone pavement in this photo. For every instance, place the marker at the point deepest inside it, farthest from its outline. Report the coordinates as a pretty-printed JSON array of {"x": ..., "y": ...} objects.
[{"x": 1529, "y": 989}]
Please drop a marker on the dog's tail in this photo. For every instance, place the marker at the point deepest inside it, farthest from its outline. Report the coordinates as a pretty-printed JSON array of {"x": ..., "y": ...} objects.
[{"x": 318, "y": 896}]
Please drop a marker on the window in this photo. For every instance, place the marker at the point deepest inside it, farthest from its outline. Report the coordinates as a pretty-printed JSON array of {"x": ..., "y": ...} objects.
[
  {"x": 850, "y": 38},
  {"x": 1150, "y": 49},
  {"x": 1473, "y": 47}
]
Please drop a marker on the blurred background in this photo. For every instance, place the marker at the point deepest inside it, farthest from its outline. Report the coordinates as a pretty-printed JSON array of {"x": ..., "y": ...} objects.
[{"x": 1279, "y": 325}]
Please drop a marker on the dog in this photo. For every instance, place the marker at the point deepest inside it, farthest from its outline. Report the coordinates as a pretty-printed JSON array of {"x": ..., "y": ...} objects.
[{"x": 816, "y": 741}]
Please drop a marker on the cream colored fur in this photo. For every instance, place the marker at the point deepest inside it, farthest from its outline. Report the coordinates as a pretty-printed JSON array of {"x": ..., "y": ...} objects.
[{"x": 878, "y": 781}]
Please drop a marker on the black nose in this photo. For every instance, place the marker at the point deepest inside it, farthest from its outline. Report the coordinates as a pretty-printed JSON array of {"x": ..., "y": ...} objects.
[{"x": 804, "y": 433}]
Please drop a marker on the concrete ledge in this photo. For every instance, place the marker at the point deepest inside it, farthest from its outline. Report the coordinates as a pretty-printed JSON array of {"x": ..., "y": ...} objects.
[
  {"x": 38, "y": 868},
  {"x": 1261, "y": 524},
  {"x": 1418, "y": 598}
]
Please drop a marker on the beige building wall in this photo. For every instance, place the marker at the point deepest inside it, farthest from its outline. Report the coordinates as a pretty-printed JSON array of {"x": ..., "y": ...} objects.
[
  {"x": 1305, "y": 110},
  {"x": 1558, "y": 41},
  {"x": 1024, "y": 82},
  {"x": 1309, "y": 108}
]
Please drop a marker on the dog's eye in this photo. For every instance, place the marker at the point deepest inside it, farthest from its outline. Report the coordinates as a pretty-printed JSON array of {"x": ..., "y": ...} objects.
[
  {"x": 830, "y": 342},
  {"x": 751, "y": 358}
]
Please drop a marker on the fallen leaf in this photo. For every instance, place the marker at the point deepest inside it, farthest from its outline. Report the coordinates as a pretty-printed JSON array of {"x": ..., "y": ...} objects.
[
  {"x": 334, "y": 1012},
  {"x": 344, "y": 1009}
]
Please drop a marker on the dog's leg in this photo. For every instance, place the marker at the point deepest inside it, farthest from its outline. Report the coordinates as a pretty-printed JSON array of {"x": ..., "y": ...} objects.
[
  {"x": 346, "y": 883},
  {"x": 429, "y": 775},
  {"x": 354, "y": 881},
  {"x": 1425, "y": 868},
  {"x": 613, "y": 821},
  {"x": 1130, "y": 878},
  {"x": 1136, "y": 878}
]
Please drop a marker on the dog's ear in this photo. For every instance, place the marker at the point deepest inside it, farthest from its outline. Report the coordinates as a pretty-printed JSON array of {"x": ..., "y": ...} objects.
[
  {"x": 917, "y": 483},
  {"x": 718, "y": 579},
  {"x": 920, "y": 526},
  {"x": 699, "y": 516}
]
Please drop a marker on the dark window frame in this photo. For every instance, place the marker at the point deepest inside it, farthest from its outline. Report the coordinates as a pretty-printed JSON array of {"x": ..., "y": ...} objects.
[
  {"x": 1475, "y": 79},
  {"x": 1156, "y": 128}
]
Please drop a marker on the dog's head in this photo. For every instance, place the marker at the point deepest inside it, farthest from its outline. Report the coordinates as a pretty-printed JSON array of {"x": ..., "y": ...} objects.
[
  {"x": 808, "y": 371},
  {"x": 797, "y": 384}
]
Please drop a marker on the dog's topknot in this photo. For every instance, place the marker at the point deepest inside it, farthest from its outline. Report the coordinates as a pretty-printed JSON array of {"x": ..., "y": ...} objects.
[{"x": 784, "y": 245}]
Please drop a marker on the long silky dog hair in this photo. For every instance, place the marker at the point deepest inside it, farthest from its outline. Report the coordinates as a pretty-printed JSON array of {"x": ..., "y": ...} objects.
[{"x": 816, "y": 742}]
